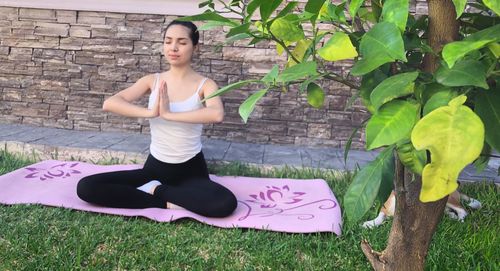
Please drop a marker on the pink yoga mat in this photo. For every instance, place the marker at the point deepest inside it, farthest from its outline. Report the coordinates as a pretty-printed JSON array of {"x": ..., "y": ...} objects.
[{"x": 286, "y": 205}]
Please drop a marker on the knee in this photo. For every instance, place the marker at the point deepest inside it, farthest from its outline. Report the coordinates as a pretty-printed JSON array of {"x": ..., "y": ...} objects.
[
  {"x": 225, "y": 206},
  {"x": 84, "y": 188}
]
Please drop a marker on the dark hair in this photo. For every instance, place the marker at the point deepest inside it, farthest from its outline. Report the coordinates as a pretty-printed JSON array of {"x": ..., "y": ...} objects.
[{"x": 194, "y": 35}]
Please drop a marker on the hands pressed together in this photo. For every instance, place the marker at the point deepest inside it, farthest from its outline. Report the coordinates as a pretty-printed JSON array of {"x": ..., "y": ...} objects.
[{"x": 162, "y": 104}]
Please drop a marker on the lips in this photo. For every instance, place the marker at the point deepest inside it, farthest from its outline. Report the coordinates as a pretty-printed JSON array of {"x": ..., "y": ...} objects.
[{"x": 173, "y": 56}]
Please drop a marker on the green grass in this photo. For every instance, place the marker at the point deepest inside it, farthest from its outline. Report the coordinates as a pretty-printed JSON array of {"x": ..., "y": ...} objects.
[{"x": 46, "y": 238}]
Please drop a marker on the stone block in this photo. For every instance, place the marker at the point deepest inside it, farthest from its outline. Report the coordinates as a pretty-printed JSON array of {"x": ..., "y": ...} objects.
[
  {"x": 42, "y": 14},
  {"x": 31, "y": 110},
  {"x": 126, "y": 61},
  {"x": 8, "y": 13},
  {"x": 108, "y": 45},
  {"x": 51, "y": 29},
  {"x": 92, "y": 58},
  {"x": 45, "y": 42},
  {"x": 66, "y": 16},
  {"x": 79, "y": 84},
  {"x": 147, "y": 48},
  {"x": 90, "y": 18},
  {"x": 316, "y": 130},
  {"x": 103, "y": 31},
  {"x": 112, "y": 73},
  {"x": 54, "y": 85},
  {"x": 225, "y": 67},
  {"x": 71, "y": 43},
  {"x": 12, "y": 94},
  {"x": 84, "y": 125},
  {"x": 126, "y": 32},
  {"x": 20, "y": 54},
  {"x": 79, "y": 31}
]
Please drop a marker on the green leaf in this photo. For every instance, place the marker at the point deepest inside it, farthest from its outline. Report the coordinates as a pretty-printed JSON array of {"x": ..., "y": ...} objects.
[
  {"x": 393, "y": 87},
  {"x": 354, "y": 5},
  {"x": 464, "y": 73},
  {"x": 299, "y": 51},
  {"x": 392, "y": 123},
  {"x": 454, "y": 135},
  {"x": 271, "y": 75},
  {"x": 251, "y": 8},
  {"x": 459, "y": 6},
  {"x": 488, "y": 109},
  {"x": 411, "y": 158},
  {"x": 439, "y": 99},
  {"x": 366, "y": 184},
  {"x": 431, "y": 89},
  {"x": 339, "y": 47},
  {"x": 298, "y": 71},
  {"x": 229, "y": 87},
  {"x": 396, "y": 11},
  {"x": 288, "y": 9},
  {"x": 368, "y": 83},
  {"x": 267, "y": 7},
  {"x": 482, "y": 161},
  {"x": 246, "y": 108},
  {"x": 458, "y": 49},
  {"x": 287, "y": 29},
  {"x": 314, "y": 6},
  {"x": 382, "y": 44},
  {"x": 207, "y": 16},
  {"x": 333, "y": 13},
  {"x": 315, "y": 95},
  {"x": 238, "y": 30},
  {"x": 493, "y": 5},
  {"x": 495, "y": 49},
  {"x": 213, "y": 24}
]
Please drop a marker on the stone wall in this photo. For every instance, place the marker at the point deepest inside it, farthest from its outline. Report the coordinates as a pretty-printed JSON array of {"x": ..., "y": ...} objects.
[{"x": 57, "y": 67}]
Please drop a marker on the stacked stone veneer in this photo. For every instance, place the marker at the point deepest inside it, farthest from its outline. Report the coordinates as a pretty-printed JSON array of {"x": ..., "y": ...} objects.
[{"x": 57, "y": 67}]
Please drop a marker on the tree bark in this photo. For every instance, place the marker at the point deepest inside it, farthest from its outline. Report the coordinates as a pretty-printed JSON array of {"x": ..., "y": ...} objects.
[{"x": 415, "y": 222}]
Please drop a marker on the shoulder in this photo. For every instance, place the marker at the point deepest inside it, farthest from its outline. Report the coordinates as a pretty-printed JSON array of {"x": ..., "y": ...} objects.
[
  {"x": 148, "y": 80},
  {"x": 209, "y": 85}
]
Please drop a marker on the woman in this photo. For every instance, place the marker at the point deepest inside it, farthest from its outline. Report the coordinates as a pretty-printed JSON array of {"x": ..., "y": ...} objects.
[{"x": 175, "y": 173}]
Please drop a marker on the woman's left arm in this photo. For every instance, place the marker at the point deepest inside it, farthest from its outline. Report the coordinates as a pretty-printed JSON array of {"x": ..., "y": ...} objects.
[{"x": 212, "y": 112}]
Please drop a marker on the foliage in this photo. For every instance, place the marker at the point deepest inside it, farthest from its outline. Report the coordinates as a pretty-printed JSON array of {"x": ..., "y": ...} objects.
[{"x": 407, "y": 102}]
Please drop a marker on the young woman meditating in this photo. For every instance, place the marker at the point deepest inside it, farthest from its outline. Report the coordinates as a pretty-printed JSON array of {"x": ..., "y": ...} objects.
[{"x": 175, "y": 173}]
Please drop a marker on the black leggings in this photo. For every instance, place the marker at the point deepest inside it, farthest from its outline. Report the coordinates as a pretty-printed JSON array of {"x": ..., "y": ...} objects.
[{"x": 186, "y": 185}]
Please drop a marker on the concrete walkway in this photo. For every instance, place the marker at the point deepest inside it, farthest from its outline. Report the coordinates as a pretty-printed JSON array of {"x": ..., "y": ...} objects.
[{"x": 61, "y": 144}]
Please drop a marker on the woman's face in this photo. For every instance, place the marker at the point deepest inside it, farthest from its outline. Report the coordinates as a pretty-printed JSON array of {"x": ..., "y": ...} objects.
[{"x": 178, "y": 47}]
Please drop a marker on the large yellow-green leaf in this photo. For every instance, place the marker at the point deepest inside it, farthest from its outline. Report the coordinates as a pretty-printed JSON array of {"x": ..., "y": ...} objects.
[
  {"x": 339, "y": 47},
  {"x": 382, "y": 44},
  {"x": 454, "y": 51},
  {"x": 396, "y": 11},
  {"x": 391, "y": 123},
  {"x": 466, "y": 72},
  {"x": 488, "y": 108},
  {"x": 287, "y": 28},
  {"x": 493, "y": 5},
  {"x": 366, "y": 184},
  {"x": 393, "y": 87},
  {"x": 454, "y": 135}
]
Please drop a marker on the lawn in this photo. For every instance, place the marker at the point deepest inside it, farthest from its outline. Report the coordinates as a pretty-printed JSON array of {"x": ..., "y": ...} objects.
[{"x": 46, "y": 238}]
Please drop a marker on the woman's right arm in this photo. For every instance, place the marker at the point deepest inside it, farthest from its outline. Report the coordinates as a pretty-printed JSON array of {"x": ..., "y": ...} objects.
[{"x": 121, "y": 102}]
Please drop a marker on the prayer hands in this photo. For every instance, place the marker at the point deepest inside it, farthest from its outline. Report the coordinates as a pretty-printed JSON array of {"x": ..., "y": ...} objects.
[{"x": 164, "y": 104}]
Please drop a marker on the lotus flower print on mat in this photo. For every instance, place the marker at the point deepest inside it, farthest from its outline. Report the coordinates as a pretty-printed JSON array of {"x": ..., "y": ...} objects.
[
  {"x": 62, "y": 170},
  {"x": 274, "y": 204},
  {"x": 282, "y": 201}
]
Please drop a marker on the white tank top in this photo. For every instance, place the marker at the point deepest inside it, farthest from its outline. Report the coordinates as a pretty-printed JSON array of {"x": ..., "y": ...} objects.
[{"x": 172, "y": 141}]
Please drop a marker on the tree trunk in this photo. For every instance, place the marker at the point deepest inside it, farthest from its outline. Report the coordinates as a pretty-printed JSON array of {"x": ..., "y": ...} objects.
[{"x": 415, "y": 222}]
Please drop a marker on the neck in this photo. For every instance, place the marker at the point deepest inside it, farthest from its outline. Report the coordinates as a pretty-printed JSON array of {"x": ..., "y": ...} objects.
[{"x": 180, "y": 71}]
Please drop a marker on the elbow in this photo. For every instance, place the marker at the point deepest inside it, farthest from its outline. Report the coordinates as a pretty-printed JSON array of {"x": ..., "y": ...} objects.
[
  {"x": 106, "y": 105},
  {"x": 219, "y": 117}
]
